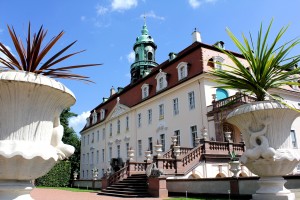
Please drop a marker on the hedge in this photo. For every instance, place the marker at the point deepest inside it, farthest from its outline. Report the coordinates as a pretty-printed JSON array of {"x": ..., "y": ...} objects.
[{"x": 58, "y": 176}]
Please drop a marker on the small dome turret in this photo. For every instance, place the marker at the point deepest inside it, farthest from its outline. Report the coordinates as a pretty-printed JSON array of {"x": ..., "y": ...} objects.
[{"x": 144, "y": 49}]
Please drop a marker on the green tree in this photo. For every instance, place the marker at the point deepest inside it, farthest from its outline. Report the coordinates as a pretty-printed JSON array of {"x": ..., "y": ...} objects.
[{"x": 70, "y": 137}]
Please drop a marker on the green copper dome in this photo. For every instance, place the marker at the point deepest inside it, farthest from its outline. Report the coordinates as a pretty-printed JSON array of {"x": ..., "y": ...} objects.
[
  {"x": 145, "y": 37},
  {"x": 144, "y": 49}
]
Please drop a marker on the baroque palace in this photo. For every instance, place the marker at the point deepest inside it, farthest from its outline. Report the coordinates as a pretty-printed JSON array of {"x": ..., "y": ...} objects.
[{"x": 172, "y": 104}]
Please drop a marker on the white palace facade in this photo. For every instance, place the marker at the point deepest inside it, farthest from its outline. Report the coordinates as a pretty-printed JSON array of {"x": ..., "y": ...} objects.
[{"x": 176, "y": 97}]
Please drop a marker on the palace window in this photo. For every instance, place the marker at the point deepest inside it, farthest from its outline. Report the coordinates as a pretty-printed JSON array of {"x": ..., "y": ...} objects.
[
  {"x": 194, "y": 135},
  {"x": 218, "y": 60},
  {"x": 94, "y": 116},
  {"x": 161, "y": 79},
  {"x": 110, "y": 129},
  {"x": 182, "y": 70},
  {"x": 150, "y": 144},
  {"x": 175, "y": 106},
  {"x": 162, "y": 142},
  {"x": 161, "y": 111},
  {"x": 103, "y": 155},
  {"x": 118, "y": 126},
  {"x": 102, "y": 114},
  {"x": 140, "y": 148},
  {"x": 103, "y": 134},
  {"x": 139, "y": 120},
  {"x": 127, "y": 123},
  {"x": 191, "y": 97},
  {"x": 177, "y": 133},
  {"x": 145, "y": 91},
  {"x": 149, "y": 116},
  {"x": 119, "y": 151}
]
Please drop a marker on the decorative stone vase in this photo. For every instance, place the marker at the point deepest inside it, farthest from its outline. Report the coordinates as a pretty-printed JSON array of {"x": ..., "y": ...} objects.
[
  {"x": 174, "y": 140},
  {"x": 148, "y": 156},
  {"x": 266, "y": 132},
  {"x": 158, "y": 150},
  {"x": 30, "y": 130},
  {"x": 176, "y": 151},
  {"x": 234, "y": 167},
  {"x": 130, "y": 154}
]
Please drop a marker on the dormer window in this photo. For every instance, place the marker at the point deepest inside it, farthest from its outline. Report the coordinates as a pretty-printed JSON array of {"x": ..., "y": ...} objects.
[
  {"x": 145, "y": 90},
  {"x": 182, "y": 70},
  {"x": 88, "y": 121},
  {"x": 161, "y": 79},
  {"x": 94, "y": 115},
  {"x": 218, "y": 60},
  {"x": 102, "y": 114}
]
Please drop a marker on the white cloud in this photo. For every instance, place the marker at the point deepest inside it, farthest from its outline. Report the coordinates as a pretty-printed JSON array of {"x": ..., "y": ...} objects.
[
  {"x": 197, "y": 3},
  {"x": 82, "y": 18},
  {"x": 120, "y": 5},
  {"x": 131, "y": 57},
  {"x": 101, "y": 10},
  {"x": 77, "y": 123},
  {"x": 194, "y": 3},
  {"x": 151, "y": 14}
]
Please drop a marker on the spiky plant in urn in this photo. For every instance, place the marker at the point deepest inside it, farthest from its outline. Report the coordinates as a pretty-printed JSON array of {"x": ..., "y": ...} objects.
[
  {"x": 265, "y": 124},
  {"x": 31, "y": 102}
]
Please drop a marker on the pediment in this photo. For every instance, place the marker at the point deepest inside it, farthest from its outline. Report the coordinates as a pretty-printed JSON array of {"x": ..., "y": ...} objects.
[{"x": 119, "y": 110}]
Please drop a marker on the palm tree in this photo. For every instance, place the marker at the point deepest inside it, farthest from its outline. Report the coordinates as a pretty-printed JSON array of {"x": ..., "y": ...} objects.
[
  {"x": 269, "y": 65},
  {"x": 29, "y": 57}
]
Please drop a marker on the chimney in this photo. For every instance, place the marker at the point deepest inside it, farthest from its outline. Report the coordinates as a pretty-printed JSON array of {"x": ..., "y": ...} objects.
[
  {"x": 112, "y": 91},
  {"x": 196, "y": 36},
  {"x": 172, "y": 55}
]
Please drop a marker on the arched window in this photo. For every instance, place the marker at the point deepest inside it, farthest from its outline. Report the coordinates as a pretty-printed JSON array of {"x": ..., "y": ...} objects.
[
  {"x": 221, "y": 94},
  {"x": 136, "y": 57},
  {"x": 150, "y": 56}
]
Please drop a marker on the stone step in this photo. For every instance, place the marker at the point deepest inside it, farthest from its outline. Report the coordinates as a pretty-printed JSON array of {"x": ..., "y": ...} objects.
[{"x": 124, "y": 195}]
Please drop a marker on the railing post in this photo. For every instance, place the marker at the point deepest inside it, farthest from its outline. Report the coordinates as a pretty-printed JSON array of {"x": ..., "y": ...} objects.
[
  {"x": 104, "y": 182},
  {"x": 158, "y": 186}
]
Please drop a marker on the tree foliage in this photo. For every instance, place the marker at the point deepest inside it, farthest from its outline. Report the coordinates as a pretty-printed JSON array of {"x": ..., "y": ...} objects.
[
  {"x": 58, "y": 176},
  {"x": 70, "y": 137}
]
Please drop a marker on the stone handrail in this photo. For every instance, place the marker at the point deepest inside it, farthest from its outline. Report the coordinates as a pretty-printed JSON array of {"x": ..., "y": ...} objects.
[
  {"x": 193, "y": 156},
  {"x": 118, "y": 176},
  {"x": 237, "y": 98},
  {"x": 137, "y": 168},
  {"x": 168, "y": 154},
  {"x": 183, "y": 151}
]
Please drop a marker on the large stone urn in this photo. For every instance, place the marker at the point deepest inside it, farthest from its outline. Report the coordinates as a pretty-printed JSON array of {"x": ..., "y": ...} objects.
[
  {"x": 30, "y": 130},
  {"x": 266, "y": 129}
]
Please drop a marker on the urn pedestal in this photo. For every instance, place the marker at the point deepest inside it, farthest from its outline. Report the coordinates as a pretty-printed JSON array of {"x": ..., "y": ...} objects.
[
  {"x": 266, "y": 129},
  {"x": 30, "y": 130}
]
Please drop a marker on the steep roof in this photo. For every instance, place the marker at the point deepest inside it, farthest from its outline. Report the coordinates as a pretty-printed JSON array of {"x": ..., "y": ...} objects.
[{"x": 131, "y": 95}]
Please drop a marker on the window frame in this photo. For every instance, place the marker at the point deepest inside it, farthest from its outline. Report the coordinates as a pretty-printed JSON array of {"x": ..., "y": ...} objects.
[
  {"x": 161, "y": 111},
  {"x": 145, "y": 90},
  {"x": 175, "y": 106},
  {"x": 194, "y": 134},
  {"x": 161, "y": 81},
  {"x": 182, "y": 70},
  {"x": 191, "y": 99}
]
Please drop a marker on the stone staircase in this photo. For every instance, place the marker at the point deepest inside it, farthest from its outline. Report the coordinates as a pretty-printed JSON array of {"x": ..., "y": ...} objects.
[{"x": 132, "y": 187}]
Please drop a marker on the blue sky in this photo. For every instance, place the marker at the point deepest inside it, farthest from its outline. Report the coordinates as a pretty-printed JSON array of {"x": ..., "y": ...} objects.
[{"x": 107, "y": 30}]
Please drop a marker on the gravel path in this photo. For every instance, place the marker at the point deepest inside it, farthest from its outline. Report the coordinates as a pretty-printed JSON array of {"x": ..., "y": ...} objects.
[{"x": 53, "y": 194}]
